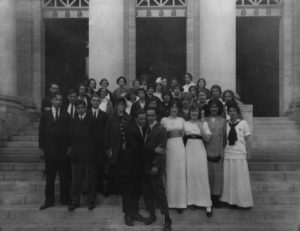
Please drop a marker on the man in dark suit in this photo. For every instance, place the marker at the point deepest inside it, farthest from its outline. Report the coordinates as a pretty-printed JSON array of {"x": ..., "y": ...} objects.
[
  {"x": 69, "y": 106},
  {"x": 98, "y": 133},
  {"x": 131, "y": 165},
  {"x": 83, "y": 158},
  {"x": 53, "y": 143},
  {"x": 153, "y": 163},
  {"x": 46, "y": 102}
]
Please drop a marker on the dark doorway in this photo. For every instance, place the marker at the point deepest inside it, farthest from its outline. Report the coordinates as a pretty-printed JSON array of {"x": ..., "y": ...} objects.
[
  {"x": 161, "y": 47},
  {"x": 258, "y": 64},
  {"x": 66, "y": 52}
]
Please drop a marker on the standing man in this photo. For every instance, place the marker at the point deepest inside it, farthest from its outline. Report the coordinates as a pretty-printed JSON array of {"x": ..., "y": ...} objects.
[
  {"x": 98, "y": 134},
  {"x": 83, "y": 159},
  {"x": 69, "y": 106},
  {"x": 131, "y": 164},
  {"x": 53, "y": 144},
  {"x": 46, "y": 102},
  {"x": 154, "y": 163}
]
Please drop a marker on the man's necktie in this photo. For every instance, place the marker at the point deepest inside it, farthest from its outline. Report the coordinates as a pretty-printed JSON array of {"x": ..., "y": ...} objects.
[
  {"x": 95, "y": 115},
  {"x": 56, "y": 115},
  {"x": 72, "y": 110}
]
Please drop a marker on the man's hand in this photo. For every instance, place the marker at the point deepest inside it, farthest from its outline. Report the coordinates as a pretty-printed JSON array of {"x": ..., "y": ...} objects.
[
  {"x": 124, "y": 146},
  {"x": 109, "y": 153},
  {"x": 154, "y": 171},
  {"x": 42, "y": 154},
  {"x": 160, "y": 150}
]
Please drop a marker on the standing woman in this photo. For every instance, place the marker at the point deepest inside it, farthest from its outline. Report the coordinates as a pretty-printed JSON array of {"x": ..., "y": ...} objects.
[
  {"x": 201, "y": 84},
  {"x": 104, "y": 84},
  {"x": 105, "y": 104},
  {"x": 175, "y": 160},
  {"x": 202, "y": 102},
  {"x": 158, "y": 91},
  {"x": 184, "y": 111},
  {"x": 91, "y": 87},
  {"x": 122, "y": 89},
  {"x": 236, "y": 187},
  {"x": 228, "y": 97},
  {"x": 215, "y": 149},
  {"x": 198, "y": 193}
]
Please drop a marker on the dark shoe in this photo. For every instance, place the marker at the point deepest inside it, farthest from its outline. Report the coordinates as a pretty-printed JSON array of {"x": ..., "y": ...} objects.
[
  {"x": 139, "y": 217},
  {"x": 193, "y": 207},
  {"x": 179, "y": 211},
  {"x": 128, "y": 220},
  {"x": 167, "y": 226},
  {"x": 151, "y": 219},
  {"x": 46, "y": 205},
  {"x": 91, "y": 207},
  {"x": 73, "y": 206},
  {"x": 65, "y": 202},
  {"x": 209, "y": 213}
]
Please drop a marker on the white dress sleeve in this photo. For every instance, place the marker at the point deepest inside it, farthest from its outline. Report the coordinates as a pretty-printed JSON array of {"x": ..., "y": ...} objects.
[{"x": 246, "y": 129}]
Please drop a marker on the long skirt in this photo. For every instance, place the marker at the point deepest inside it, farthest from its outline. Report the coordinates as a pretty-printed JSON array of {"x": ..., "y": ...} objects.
[
  {"x": 215, "y": 173},
  {"x": 236, "y": 186},
  {"x": 197, "y": 174},
  {"x": 176, "y": 173}
]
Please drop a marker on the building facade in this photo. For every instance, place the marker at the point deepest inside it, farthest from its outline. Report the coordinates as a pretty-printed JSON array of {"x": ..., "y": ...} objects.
[{"x": 249, "y": 46}]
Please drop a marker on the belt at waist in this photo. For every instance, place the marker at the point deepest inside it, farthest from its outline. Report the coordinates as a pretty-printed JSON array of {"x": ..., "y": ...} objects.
[
  {"x": 214, "y": 159},
  {"x": 174, "y": 134},
  {"x": 194, "y": 137}
]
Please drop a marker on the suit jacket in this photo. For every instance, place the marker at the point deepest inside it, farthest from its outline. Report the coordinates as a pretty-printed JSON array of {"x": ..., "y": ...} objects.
[
  {"x": 113, "y": 134},
  {"x": 132, "y": 157},
  {"x": 53, "y": 135},
  {"x": 157, "y": 136},
  {"x": 46, "y": 103},
  {"x": 98, "y": 133},
  {"x": 65, "y": 107},
  {"x": 81, "y": 137}
]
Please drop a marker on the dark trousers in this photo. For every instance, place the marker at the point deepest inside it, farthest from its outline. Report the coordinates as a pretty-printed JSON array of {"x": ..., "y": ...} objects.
[
  {"x": 131, "y": 193},
  {"x": 62, "y": 167},
  {"x": 154, "y": 191},
  {"x": 83, "y": 171}
]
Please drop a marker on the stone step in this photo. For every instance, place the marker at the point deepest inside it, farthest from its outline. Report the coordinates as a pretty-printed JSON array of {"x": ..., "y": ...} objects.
[
  {"x": 273, "y": 136},
  {"x": 116, "y": 223},
  {"x": 274, "y": 122},
  {"x": 285, "y": 134},
  {"x": 255, "y": 175},
  {"x": 19, "y": 158},
  {"x": 253, "y": 166},
  {"x": 29, "y": 133},
  {"x": 38, "y": 186},
  {"x": 275, "y": 119},
  {"x": 25, "y": 138},
  {"x": 275, "y": 147},
  {"x": 274, "y": 157},
  {"x": 103, "y": 213},
  {"x": 21, "y": 144},
  {"x": 18, "y": 151}
]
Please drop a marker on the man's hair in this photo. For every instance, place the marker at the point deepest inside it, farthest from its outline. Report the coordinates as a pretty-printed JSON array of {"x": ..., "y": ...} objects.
[
  {"x": 139, "y": 112},
  {"x": 151, "y": 109},
  {"x": 55, "y": 95},
  {"x": 71, "y": 91},
  {"x": 80, "y": 102}
]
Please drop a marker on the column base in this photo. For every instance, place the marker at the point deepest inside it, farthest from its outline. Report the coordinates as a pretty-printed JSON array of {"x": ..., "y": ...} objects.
[{"x": 13, "y": 117}]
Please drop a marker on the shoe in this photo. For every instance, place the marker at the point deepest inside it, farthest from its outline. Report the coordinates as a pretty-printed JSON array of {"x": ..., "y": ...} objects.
[
  {"x": 151, "y": 219},
  {"x": 179, "y": 211},
  {"x": 91, "y": 207},
  {"x": 139, "y": 217},
  {"x": 209, "y": 212},
  {"x": 73, "y": 206},
  {"x": 167, "y": 226},
  {"x": 128, "y": 220},
  {"x": 193, "y": 207},
  {"x": 65, "y": 202},
  {"x": 46, "y": 205}
]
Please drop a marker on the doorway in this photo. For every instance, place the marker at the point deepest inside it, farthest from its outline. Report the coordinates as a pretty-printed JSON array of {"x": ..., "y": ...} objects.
[
  {"x": 66, "y": 42},
  {"x": 161, "y": 48},
  {"x": 258, "y": 64}
]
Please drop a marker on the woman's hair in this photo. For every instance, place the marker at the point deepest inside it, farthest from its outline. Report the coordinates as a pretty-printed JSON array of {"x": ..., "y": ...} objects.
[
  {"x": 136, "y": 80},
  {"x": 141, "y": 89},
  {"x": 218, "y": 104},
  {"x": 231, "y": 93},
  {"x": 216, "y": 86},
  {"x": 167, "y": 93},
  {"x": 189, "y": 75},
  {"x": 194, "y": 107},
  {"x": 200, "y": 80},
  {"x": 102, "y": 80},
  {"x": 121, "y": 77},
  {"x": 177, "y": 86},
  {"x": 234, "y": 105},
  {"x": 193, "y": 87},
  {"x": 185, "y": 95},
  {"x": 175, "y": 103},
  {"x": 90, "y": 80},
  {"x": 202, "y": 90},
  {"x": 102, "y": 89}
]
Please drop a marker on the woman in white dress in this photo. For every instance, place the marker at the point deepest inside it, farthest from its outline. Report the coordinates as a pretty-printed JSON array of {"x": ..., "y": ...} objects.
[
  {"x": 198, "y": 191},
  {"x": 175, "y": 160},
  {"x": 236, "y": 186}
]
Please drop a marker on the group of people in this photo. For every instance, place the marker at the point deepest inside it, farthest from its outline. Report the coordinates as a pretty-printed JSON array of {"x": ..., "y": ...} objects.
[{"x": 177, "y": 145}]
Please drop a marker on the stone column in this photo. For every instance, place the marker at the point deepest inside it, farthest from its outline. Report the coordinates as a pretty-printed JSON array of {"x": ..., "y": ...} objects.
[
  {"x": 8, "y": 70},
  {"x": 106, "y": 40},
  {"x": 296, "y": 28},
  {"x": 218, "y": 42}
]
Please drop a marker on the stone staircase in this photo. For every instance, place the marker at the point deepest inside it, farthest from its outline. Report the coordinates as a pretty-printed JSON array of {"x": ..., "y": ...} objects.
[{"x": 275, "y": 184}]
